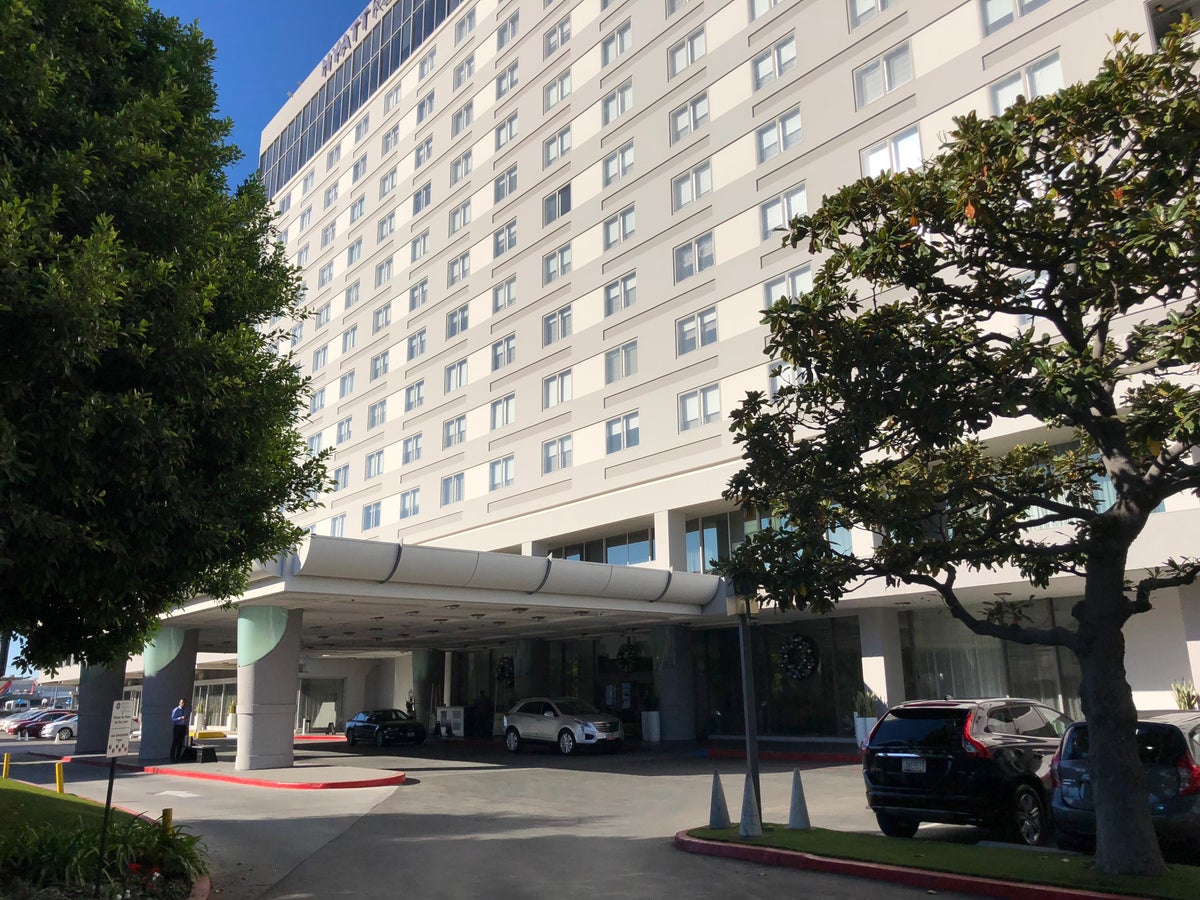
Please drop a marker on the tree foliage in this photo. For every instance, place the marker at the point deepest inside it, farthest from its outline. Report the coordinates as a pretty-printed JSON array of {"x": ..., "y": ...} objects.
[
  {"x": 1037, "y": 276},
  {"x": 148, "y": 448}
]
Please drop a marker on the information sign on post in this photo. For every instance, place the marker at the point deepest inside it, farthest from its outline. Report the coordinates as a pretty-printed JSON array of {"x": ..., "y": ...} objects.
[{"x": 120, "y": 728}]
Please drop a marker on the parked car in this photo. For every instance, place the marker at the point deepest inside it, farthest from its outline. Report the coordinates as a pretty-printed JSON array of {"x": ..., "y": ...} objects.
[
  {"x": 566, "y": 722},
  {"x": 384, "y": 726},
  {"x": 63, "y": 729},
  {"x": 968, "y": 762},
  {"x": 1169, "y": 747},
  {"x": 31, "y": 722}
]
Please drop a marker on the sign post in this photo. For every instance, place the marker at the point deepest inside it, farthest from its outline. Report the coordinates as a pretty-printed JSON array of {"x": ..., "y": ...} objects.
[{"x": 119, "y": 729}]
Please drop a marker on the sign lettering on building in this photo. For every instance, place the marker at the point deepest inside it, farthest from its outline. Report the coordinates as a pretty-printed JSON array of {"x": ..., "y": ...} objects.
[{"x": 358, "y": 29}]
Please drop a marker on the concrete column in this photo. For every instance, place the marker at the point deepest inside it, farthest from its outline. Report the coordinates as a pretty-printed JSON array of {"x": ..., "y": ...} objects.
[
  {"x": 882, "y": 666},
  {"x": 531, "y": 666},
  {"x": 99, "y": 688},
  {"x": 268, "y": 678},
  {"x": 670, "y": 540},
  {"x": 672, "y": 648},
  {"x": 1189, "y": 606},
  {"x": 428, "y": 672},
  {"x": 169, "y": 672},
  {"x": 535, "y": 548}
]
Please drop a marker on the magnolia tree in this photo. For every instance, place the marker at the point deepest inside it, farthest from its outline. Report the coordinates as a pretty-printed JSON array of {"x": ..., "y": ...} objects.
[
  {"x": 148, "y": 441},
  {"x": 1042, "y": 267}
]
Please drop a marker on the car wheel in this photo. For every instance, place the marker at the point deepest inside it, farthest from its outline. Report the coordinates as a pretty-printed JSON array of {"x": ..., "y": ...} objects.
[
  {"x": 894, "y": 826},
  {"x": 65, "y": 734},
  {"x": 566, "y": 742},
  {"x": 418, "y": 738},
  {"x": 1029, "y": 823},
  {"x": 379, "y": 741},
  {"x": 512, "y": 740},
  {"x": 350, "y": 738}
]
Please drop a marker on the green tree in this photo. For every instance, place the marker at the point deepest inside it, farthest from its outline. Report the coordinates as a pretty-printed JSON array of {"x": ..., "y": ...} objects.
[
  {"x": 1043, "y": 266},
  {"x": 148, "y": 442}
]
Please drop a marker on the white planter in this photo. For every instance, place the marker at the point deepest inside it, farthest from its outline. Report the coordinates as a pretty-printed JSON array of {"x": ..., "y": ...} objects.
[
  {"x": 199, "y": 722},
  {"x": 231, "y": 722},
  {"x": 862, "y": 727},
  {"x": 652, "y": 726}
]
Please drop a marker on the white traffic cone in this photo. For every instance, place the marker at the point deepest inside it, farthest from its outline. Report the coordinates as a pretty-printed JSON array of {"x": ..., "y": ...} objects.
[
  {"x": 718, "y": 810},
  {"x": 751, "y": 825},
  {"x": 798, "y": 815}
]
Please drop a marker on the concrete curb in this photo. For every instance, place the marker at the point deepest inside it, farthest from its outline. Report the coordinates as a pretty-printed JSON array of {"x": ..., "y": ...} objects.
[
  {"x": 202, "y": 889},
  {"x": 918, "y": 878},
  {"x": 386, "y": 781}
]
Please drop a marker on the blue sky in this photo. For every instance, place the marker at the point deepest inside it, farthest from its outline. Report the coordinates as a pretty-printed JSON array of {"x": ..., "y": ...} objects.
[{"x": 263, "y": 50}]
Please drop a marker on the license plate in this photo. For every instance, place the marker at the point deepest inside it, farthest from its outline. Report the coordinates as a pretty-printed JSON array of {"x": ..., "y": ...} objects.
[{"x": 912, "y": 765}]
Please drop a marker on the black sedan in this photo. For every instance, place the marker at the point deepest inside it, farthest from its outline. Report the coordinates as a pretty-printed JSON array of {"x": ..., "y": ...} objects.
[{"x": 384, "y": 726}]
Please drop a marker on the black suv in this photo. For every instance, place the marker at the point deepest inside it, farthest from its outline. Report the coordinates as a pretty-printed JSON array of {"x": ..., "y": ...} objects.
[{"x": 966, "y": 762}]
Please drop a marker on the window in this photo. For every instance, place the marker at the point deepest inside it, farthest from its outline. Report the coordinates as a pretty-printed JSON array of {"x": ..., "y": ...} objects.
[
  {"x": 320, "y": 357},
  {"x": 501, "y": 472},
  {"x": 359, "y": 170},
  {"x": 620, "y": 362},
  {"x": 410, "y": 503},
  {"x": 425, "y": 66},
  {"x": 354, "y": 252},
  {"x": 423, "y": 152},
  {"x": 556, "y": 389},
  {"x": 777, "y": 212},
  {"x": 391, "y": 98},
  {"x": 455, "y": 376},
  {"x": 686, "y": 52},
  {"x": 370, "y": 515},
  {"x": 307, "y": 184},
  {"x": 452, "y": 489},
  {"x": 381, "y": 318},
  {"x": 687, "y": 118},
  {"x": 386, "y": 226},
  {"x": 618, "y": 42},
  {"x": 700, "y": 407},
  {"x": 331, "y": 195},
  {"x": 357, "y": 208},
  {"x": 387, "y": 184},
  {"x": 349, "y": 338},
  {"x": 556, "y": 325},
  {"x": 619, "y": 228},
  {"x": 762, "y": 7},
  {"x": 341, "y": 478},
  {"x": 314, "y": 444},
  {"x": 323, "y": 315},
  {"x": 302, "y": 256},
  {"x": 899, "y": 152},
  {"x": 344, "y": 429},
  {"x": 556, "y": 454},
  {"x": 332, "y": 157},
  {"x": 456, "y": 321},
  {"x": 504, "y": 294},
  {"x": 316, "y": 402},
  {"x": 379, "y": 365},
  {"x": 772, "y": 63},
  {"x": 422, "y": 197},
  {"x": 617, "y": 164},
  {"x": 556, "y": 204},
  {"x": 328, "y": 233},
  {"x": 506, "y": 81},
  {"x": 781, "y": 375},
  {"x": 414, "y": 395},
  {"x": 620, "y": 294},
  {"x": 504, "y": 352},
  {"x": 376, "y": 414},
  {"x": 691, "y": 186},
  {"x": 504, "y": 239},
  {"x": 361, "y": 128},
  {"x": 425, "y": 107},
  {"x": 325, "y": 275},
  {"x": 416, "y": 345},
  {"x": 460, "y": 216},
  {"x": 297, "y": 331},
  {"x": 1035, "y": 80},
  {"x": 285, "y": 203},
  {"x": 556, "y": 147},
  {"x": 505, "y": 183},
  {"x": 556, "y": 264},
  {"x": 777, "y": 136},
  {"x": 696, "y": 330},
  {"x": 998, "y": 13},
  {"x": 617, "y": 103},
  {"x": 420, "y": 245},
  {"x": 383, "y": 272},
  {"x": 557, "y": 90},
  {"x": 454, "y": 431},
  {"x": 621, "y": 433},
  {"x": 464, "y": 71},
  {"x": 507, "y": 31},
  {"x": 351, "y": 295},
  {"x": 464, "y": 27},
  {"x": 673, "y": 6},
  {"x": 556, "y": 37},
  {"x": 506, "y": 132},
  {"x": 410, "y": 450},
  {"x": 374, "y": 467},
  {"x": 694, "y": 256},
  {"x": 882, "y": 75},
  {"x": 346, "y": 385},
  {"x": 458, "y": 269},
  {"x": 283, "y": 236},
  {"x": 504, "y": 411},
  {"x": 460, "y": 168},
  {"x": 418, "y": 294},
  {"x": 793, "y": 284},
  {"x": 306, "y": 218},
  {"x": 462, "y": 118}
]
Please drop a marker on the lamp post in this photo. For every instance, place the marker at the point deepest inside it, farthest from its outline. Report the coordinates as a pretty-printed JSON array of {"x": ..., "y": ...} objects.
[{"x": 743, "y": 597}]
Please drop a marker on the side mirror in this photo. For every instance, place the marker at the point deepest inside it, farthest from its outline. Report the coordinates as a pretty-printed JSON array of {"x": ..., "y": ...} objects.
[{"x": 550, "y": 714}]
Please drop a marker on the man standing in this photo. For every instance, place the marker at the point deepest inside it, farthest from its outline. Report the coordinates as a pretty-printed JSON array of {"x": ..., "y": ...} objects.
[{"x": 179, "y": 722}]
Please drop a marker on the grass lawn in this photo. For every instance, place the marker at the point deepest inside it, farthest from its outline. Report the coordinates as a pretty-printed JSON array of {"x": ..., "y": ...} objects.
[
  {"x": 23, "y": 804},
  {"x": 1053, "y": 868}
]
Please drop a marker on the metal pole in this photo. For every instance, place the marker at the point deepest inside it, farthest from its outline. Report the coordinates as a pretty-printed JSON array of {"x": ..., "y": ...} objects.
[
  {"x": 112, "y": 774},
  {"x": 749, "y": 707}
]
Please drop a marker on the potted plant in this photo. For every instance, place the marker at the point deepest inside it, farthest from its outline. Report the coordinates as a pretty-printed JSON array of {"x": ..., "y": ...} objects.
[
  {"x": 866, "y": 713},
  {"x": 651, "y": 719},
  {"x": 1185, "y": 694},
  {"x": 231, "y": 716},
  {"x": 199, "y": 721}
]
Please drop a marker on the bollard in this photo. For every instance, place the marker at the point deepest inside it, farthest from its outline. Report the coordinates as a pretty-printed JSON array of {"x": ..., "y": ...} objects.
[
  {"x": 58, "y": 777},
  {"x": 7, "y": 760},
  {"x": 168, "y": 820},
  {"x": 751, "y": 825},
  {"x": 718, "y": 811},
  {"x": 798, "y": 815}
]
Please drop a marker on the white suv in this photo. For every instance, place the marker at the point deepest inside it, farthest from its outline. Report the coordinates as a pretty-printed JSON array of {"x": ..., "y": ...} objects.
[{"x": 567, "y": 722}]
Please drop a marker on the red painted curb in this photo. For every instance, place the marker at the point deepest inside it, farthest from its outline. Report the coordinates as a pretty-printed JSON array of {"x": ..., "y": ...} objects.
[
  {"x": 201, "y": 889},
  {"x": 785, "y": 756},
  {"x": 918, "y": 878},
  {"x": 388, "y": 781}
]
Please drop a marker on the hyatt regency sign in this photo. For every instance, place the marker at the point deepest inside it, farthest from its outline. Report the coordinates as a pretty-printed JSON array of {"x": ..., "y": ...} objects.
[{"x": 358, "y": 29}]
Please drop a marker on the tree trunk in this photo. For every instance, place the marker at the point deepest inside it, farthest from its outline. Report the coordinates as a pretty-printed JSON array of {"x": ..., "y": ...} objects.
[
  {"x": 1125, "y": 840},
  {"x": 5, "y": 639}
]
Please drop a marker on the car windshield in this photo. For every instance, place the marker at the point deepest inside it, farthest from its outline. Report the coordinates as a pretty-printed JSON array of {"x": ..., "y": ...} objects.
[
  {"x": 931, "y": 728},
  {"x": 572, "y": 706},
  {"x": 391, "y": 715}
]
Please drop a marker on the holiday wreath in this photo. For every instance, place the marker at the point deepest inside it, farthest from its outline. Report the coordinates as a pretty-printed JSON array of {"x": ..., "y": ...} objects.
[
  {"x": 627, "y": 657},
  {"x": 504, "y": 672},
  {"x": 799, "y": 657}
]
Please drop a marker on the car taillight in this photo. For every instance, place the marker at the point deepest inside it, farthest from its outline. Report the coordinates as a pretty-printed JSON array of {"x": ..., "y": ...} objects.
[
  {"x": 972, "y": 745},
  {"x": 1189, "y": 775},
  {"x": 1054, "y": 763}
]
